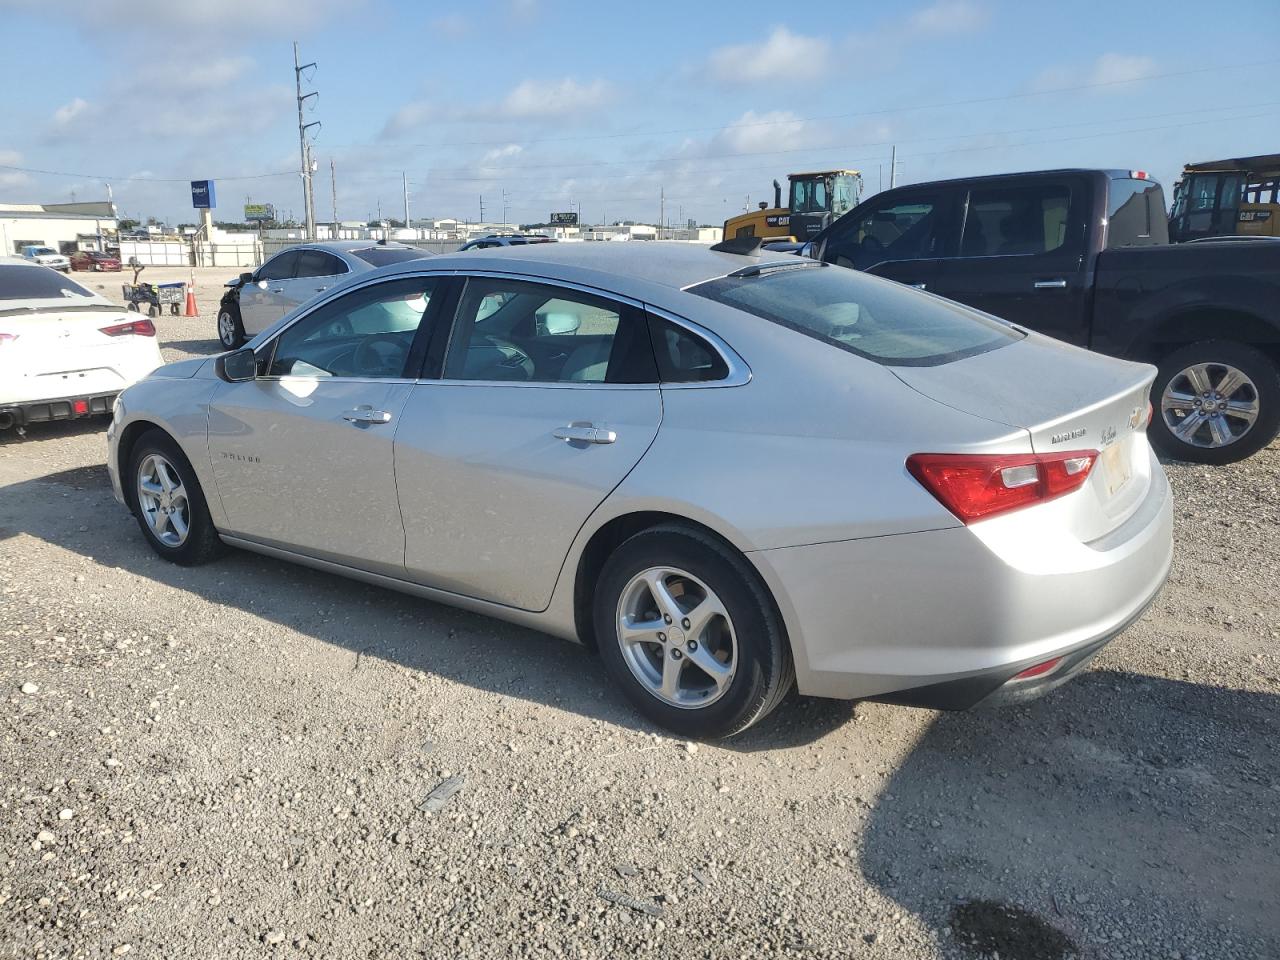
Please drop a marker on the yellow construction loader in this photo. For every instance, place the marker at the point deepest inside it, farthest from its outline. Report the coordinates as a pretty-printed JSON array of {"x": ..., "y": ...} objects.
[{"x": 815, "y": 200}]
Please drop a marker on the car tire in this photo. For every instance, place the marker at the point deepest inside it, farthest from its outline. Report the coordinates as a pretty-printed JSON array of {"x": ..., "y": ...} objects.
[
  {"x": 230, "y": 327},
  {"x": 744, "y": 642},
  {"x": 167, "y": 497},
  {"x": 1210, "y": 363}
]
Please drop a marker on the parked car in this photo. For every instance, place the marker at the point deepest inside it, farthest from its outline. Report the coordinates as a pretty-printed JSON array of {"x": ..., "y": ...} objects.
[
  {"x": 504, "y": 240},
  {"x": 1083, "y": 255},
  {"x": 256, "y": 300},
  {"x": 65, "y": 351},
  {"x": 96, "y": 261},
  {"x": 46, "y": 257},
  {"x": 728, "y": 474}
]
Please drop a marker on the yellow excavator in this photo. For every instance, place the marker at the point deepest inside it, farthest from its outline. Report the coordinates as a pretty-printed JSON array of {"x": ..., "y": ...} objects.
[{"x": 815, "y": 200}]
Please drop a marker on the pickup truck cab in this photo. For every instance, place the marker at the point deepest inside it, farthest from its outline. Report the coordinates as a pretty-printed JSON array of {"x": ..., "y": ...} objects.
[
  {"x": 47, "y": 257},
  {"x": 1084, "y": 256}
]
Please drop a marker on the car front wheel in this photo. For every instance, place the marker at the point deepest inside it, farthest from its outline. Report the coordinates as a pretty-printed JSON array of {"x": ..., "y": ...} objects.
[
  {"x": 1215, "y": 402},
  {"x": 687, "y": 629},
  {"x": 230, "y": 328},
  {"x": 169, "y": 502}
]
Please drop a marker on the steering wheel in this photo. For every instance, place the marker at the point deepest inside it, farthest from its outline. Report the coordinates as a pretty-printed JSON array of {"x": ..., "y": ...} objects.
[{"x": 382, "y": 354}]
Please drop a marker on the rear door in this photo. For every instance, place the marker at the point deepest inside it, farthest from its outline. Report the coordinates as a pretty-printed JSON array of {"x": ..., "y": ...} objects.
[
  {"x": 263, "y": 301},
  {"x": 1022, "y": 255},
  {"x": 549, "y": 397},
  {"x": 316, "y": 272},
  {"x": 903, "y": 236}
]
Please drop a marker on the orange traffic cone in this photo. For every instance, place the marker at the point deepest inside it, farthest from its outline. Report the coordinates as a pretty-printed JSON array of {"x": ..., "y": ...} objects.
[{"x": 191, "y": 304}]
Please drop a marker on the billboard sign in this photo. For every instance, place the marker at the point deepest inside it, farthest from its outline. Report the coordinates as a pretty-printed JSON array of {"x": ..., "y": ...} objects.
[
  {"x": 202, "y": 195},
  {"x": 261, "y": 212},
  {"x": 568, "y": 219}
]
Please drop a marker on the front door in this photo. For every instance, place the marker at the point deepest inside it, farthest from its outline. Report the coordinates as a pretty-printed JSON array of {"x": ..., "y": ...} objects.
[
  {"x": 302, "y": 455},
  {"x": 548, "y": 400},
  {"x": 902, "y": 236},
  {"x": 1022, "y": 257},
  {"x": 263, "y": 300}
]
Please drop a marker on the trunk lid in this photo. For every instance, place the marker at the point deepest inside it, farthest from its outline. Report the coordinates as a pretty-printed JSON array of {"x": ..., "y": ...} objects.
[
  {"x": 1066, "y": 399},
  {"x": 64, "y": 351}
]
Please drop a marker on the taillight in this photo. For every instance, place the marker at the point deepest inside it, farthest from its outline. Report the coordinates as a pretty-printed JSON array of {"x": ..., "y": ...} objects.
[
  {"x": 136, "y": 328},
  {"x": 974, "y": 486},
  {"x": 7, "y": 338}
]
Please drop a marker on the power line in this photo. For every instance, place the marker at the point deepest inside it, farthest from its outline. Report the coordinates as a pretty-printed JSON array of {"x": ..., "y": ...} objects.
[
  {"x": 845, "y": 116},
  {"x": 108, "y": 176}
]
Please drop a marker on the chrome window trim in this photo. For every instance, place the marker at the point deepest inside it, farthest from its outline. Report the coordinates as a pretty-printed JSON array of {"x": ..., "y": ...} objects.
[{"x": 739, "y": 374}]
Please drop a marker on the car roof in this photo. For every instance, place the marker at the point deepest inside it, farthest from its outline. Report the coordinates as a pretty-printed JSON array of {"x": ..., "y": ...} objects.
[
  {"x": 1111, "y": 174},
  {"x": 346, "y": 246},
  {"x": 671, "y": 264}
]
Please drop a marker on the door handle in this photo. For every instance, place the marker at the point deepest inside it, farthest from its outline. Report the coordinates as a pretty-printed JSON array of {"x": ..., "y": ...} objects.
[
  {"x": 367, "y": 415},
  {"x": 919, "y": 286},
  {"x": 1058, "y": 284},
  {"x": 577, "y": 432},
  {"x": 277, "y": 289}
]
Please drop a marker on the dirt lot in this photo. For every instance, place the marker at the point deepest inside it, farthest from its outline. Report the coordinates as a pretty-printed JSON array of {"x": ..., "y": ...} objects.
[{"x": 228, "y": 762}]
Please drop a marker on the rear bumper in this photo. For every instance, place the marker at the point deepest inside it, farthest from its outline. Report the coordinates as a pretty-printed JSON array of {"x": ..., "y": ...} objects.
[
  {"x": 946, "y": 618},
  {"x": 62, "y": 408}
]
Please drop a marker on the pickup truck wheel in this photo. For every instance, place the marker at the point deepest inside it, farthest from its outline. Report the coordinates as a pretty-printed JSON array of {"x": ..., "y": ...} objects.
[{"x": 1215, "y": 402}]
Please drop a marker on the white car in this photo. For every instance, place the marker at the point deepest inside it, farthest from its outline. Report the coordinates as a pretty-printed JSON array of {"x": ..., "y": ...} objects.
[
  {"x": 65, "y": 351},
  {"x": 46, "y": 257}
]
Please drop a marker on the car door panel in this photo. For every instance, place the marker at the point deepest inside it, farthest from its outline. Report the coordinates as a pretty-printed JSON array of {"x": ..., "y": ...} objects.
[
  {"x": 491, "y": 498},
  {"x": 263, "y": 301},
  {"x": 294, "y": 472}
]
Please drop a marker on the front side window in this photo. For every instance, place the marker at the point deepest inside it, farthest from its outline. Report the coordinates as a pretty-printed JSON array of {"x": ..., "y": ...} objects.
[
  {"x": 808, "y": 196},
  {"x": 366, "y": 333},
  {"x": 1011, "y": 221},
  {"x": 873, "y": 318},
  {"x": 906, "y": 229},
  {"x": 518, "y": 331},
  {"x": 279, "y": 267}
]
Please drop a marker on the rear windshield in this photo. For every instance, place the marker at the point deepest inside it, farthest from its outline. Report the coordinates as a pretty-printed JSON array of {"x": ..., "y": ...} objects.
[
  {"x": 18, "y": 281},
  {"x": 877, "y": 319},
  {"x": 381, "y": 256}
]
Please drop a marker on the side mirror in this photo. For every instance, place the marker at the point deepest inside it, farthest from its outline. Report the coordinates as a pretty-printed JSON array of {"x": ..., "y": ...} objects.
[
  {"x": 246, "y": 279},
  {"x": 238, "y": 366}
]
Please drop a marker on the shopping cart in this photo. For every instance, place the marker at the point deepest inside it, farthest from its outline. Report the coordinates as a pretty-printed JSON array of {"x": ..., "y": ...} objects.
[{"x": 155, "y": 296}]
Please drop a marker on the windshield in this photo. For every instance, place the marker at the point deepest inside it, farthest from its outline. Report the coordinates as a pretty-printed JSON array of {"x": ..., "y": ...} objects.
[
  {"x": 381, "y": 256},
  {"x": 877, "y": 319},
  {"x": 844, "y": 194},
  {"x": 41, "y": 251},
  {"x": 809, "y": 196},
  {"x": 18, "y": 281}
]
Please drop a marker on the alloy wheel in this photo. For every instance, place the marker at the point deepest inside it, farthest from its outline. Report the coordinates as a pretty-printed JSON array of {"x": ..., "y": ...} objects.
[
  {"x": 676, "y": 637},
  {"x": 162, "y": 499},
  {"x": 1209, "y": 405},
  {"x": 226, "y": 328}
]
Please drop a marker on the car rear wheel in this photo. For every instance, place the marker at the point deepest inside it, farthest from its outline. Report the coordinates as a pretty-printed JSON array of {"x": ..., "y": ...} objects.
[
  {"x": 169, "y": 502},
  {"x": 230, "y": 328},
  {"x": 688, "y": 630},
  {"x": 1215, "y": 402}
]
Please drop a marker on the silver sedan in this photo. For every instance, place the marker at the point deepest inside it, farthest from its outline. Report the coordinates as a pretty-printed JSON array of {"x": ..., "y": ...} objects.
[{"x": 730, "y": 474}]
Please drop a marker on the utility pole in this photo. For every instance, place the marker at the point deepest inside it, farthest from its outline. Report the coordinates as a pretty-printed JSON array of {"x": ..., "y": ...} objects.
[
  {"x": 662, "y": 208},
  {"x": 482, "y": 208},
  {"x": 893, "y": 167},
  {"x": 333, "y": 187},
  {"x": 307, "y": 196},
  {"x": 404, "y": 185},
  {"x": 504, "y": 206}
]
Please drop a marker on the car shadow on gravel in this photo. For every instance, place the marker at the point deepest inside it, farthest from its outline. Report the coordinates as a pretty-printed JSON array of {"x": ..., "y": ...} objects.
[
  {"x": 1128, "y": 815},
  {"x": 56, "y": 430},
  {"x": 74, "y": 509},
  {"x": 203, "y": 348}
]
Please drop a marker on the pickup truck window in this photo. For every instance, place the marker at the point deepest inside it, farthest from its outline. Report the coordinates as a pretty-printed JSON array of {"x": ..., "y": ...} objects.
[
  {"x": 1012, "y": 221},
  {"x": 905, "y": 229},
  {"x": 873, "y": 318},
  {"x": 1134, "y": 209}
]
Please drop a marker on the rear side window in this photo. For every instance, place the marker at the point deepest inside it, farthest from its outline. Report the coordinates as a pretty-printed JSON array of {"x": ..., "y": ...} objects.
[
  {"x": 1014, "y": 221},
  {"x": 873, "y": 318},
  {"x": 683, "y": 356},
  {"x": 1135, "y": 215},
  {"x": 317, "y": 263}
]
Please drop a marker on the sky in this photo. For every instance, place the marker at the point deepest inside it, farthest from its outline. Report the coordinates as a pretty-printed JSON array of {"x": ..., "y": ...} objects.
[{"x": 537, "y": 106}]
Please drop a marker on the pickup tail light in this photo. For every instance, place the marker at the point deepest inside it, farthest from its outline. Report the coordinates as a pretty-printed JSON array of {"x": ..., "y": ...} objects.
[
  {"x": 1139, "y": 175},
  {"x": 977, "y": 486},
  {"x": 136, "y": 328},
  {"x": 7, "y": 338}
]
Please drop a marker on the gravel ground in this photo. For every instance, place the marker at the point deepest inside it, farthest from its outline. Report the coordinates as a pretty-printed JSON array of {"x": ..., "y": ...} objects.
[{"x": 229, "y": 761}]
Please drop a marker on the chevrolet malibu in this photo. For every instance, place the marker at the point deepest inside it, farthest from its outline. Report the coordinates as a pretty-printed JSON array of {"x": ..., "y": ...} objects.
[{"x": 729, "y": 473}]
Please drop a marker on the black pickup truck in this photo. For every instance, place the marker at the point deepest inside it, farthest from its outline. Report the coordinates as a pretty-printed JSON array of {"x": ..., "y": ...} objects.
[{"x": 1084, "y": 256}]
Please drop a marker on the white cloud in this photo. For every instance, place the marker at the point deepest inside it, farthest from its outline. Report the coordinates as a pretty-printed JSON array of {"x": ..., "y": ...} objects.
[
  {"x": 783, "y": 56},
  {"x": 949, "y": 16},
  {"x": 224, "y": 16},
  {"x": 69, "y": 111},
  {"x": 12, "y": 178},
  {"x": 1112, "y": 69},
  {"x": 502, "y": 153},
  {"x": 759, "y": 133},
  {"x": 554, "y": 98}
]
